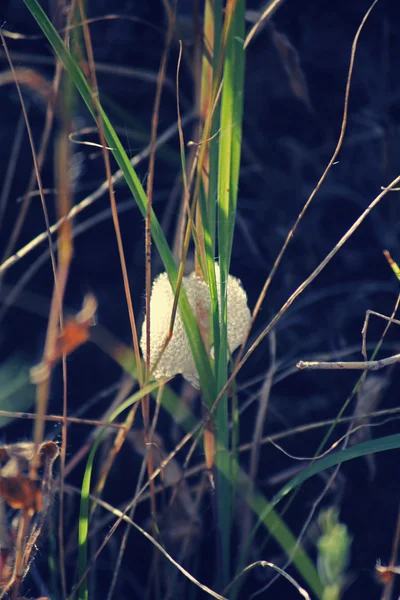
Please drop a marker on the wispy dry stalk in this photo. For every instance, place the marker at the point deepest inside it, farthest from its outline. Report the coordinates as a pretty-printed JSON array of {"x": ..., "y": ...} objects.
[
  {"x": 145, "y": 403},
  {"x": 362, "y": 365},
  {"x": 49, "y": 120}
]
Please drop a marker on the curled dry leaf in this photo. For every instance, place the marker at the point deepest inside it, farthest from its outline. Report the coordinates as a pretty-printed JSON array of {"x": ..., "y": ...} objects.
[
  {"x": 75, "y": 332},
  {"x": 32, "y": 499},
  {"x": 76, "y": 329},
  {"x": 16, "y": 488}
]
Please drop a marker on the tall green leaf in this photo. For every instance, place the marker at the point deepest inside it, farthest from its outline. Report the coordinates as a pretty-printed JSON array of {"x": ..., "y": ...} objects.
[{"x": 230, "y": 139}]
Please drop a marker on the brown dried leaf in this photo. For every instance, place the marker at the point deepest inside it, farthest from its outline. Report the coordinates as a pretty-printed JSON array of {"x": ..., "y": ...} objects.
[
  {"x": 16, "y": 488},
  {"x": 21, "y": 493},
  {"x": 76, "y": 330}
]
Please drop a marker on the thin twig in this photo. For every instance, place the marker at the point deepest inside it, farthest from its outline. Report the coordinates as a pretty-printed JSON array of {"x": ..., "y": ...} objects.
[
  {"x": 369, "y": 365},
  {"x": 26, "y": 199},
  {"x": 60, "y": 418},
  {"x": 145, "y": 402},
  {"x": 266, "y": 14}
]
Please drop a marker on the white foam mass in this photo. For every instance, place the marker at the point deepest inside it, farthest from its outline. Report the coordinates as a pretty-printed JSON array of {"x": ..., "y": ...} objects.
[{"x": 177, "y": 357}]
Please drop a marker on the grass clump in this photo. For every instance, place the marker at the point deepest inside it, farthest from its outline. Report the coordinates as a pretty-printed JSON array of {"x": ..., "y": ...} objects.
[{"x": 165, "y": 457}]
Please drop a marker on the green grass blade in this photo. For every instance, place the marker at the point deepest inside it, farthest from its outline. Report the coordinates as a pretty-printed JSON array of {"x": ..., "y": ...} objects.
[
  {"x": 228, "y": 177},
  {"x": 230, "y": 138},
  {"x": 390, "y": 442},
  {"x": 83, "y": 529}
]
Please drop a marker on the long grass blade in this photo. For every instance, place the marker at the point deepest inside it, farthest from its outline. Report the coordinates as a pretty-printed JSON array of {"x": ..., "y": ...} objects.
[
  {"x": 228, "y": 178},
  {"x": 390, "y": 442}
]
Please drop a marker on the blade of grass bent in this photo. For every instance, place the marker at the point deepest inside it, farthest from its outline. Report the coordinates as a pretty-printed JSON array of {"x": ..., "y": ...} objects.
[
  {"x": 390, "y": 442},
  {"x": 200, "y": 355}
]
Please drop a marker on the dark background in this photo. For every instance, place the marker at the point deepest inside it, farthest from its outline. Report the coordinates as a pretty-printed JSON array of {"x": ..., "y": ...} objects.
[{"x": 287, "y": 143}]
